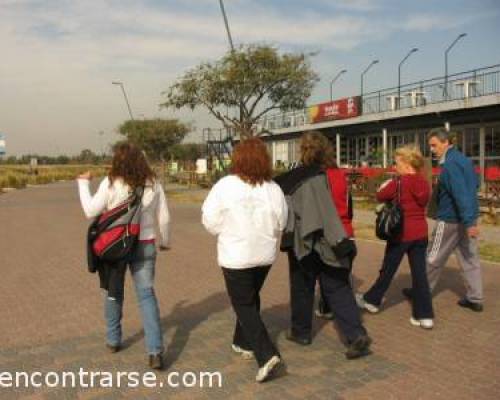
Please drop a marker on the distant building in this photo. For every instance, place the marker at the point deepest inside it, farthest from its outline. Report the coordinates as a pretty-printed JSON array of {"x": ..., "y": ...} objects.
[{"x": 367, "y": 130}]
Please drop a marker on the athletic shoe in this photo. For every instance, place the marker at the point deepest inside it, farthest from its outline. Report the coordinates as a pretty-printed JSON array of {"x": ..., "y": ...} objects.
[
  {"x": 306, "y": 341},
  {"x": 426, "y": 323},
  {"x": 156, "y": 361},
  {"x": 466, "y": 303},
  {"x": 269, "y": 369},
  {"x": 360, "y": 301},
  {"x": 245, "y": 354},
  {"x": 320, "y": 314}
]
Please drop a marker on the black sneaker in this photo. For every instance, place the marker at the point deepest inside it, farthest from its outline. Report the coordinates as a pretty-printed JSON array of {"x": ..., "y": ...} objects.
[
  {"x": 359, "y": 348},
  {"x": 466, "y": 303},
  {"x": 408, "y": 293},
  {"x": 156, "y": 361},
  {"x": 302, "y": 341}
]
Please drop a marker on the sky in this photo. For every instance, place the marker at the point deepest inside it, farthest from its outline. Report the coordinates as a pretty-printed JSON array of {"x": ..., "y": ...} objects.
[{"x": 59, "y": 57}]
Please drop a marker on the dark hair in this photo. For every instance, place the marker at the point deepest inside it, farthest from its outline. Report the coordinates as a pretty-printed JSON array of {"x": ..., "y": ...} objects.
[
  {"x": 251, "y": 161},
  {"x": 130, "y": 164},
  {"x": 316, "y": 149},
  {"x": 443, "y": 135}
]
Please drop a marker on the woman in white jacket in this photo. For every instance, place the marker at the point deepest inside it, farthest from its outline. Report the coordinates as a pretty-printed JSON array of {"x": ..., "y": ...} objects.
[
  {"x": 130, "y": 170},
  {"x": 247, "y": 211}
]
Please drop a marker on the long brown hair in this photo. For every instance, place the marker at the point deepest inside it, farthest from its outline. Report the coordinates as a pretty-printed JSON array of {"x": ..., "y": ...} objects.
[
  {"x": 316, "y": 149},
  {"x": 130, "y": 164},
  {"x": 251, "y": 161}
]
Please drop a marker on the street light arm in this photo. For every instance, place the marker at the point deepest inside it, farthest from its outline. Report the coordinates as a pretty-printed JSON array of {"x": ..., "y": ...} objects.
[
  {"x": 408, "y": 55},
  {"x": 455, "y": 42}
]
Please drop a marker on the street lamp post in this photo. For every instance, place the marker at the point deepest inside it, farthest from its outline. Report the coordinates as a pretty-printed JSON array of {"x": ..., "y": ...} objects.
[
  {"x": 363, "y": 74},
  {"x": 445, "y": 87},
  {"x": 125, "y": 96},
  {"x": 333, "y": 81},
  {"x": 226, "y": 23},
  {"x": 399, "y": 74}
]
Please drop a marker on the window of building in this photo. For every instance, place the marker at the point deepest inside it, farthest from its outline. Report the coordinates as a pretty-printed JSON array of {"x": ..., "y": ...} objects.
[
  {"x": 471, "y": 142},
  {"x": 492, "y": 142}
]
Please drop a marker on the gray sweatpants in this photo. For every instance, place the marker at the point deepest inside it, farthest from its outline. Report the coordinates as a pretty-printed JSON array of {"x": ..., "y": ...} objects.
[{"x": 446, "y": 238}]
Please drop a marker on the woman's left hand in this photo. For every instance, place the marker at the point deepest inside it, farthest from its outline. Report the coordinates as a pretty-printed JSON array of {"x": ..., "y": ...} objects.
[{"x": 86, "y": 175}]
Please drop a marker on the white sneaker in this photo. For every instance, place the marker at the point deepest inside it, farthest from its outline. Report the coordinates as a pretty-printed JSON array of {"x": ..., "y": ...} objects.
[
  {"x": 268, "y": 369},
  {"x": 360, "y": 301},
  {"x": 425, "y": 323},
  {"x": 245, "y": 354}
]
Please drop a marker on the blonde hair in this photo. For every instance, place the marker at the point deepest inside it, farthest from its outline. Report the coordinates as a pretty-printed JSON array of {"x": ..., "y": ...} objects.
[{"x": 412, "y": 156}]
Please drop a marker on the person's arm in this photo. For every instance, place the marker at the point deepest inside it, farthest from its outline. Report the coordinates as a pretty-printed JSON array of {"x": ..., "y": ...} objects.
[
  {"x": 212, "y": 212},
  {"x": 93, "y": 205},
  {"x": 281, "y": 209},
  {"x": 387, "y": 191},
  {"x": 163, "y": 218}
]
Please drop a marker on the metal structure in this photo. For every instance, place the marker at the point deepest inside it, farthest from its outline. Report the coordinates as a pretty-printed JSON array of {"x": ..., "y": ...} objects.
[
  {"x": 333, "y": 81},
  {"x": 445, "y": 87},
  {"x": 398, "y": 99},
  {"x": 219, "y": 144},
  {"x": 125, "y": 96},
  {"x": 362, "y": 78}
]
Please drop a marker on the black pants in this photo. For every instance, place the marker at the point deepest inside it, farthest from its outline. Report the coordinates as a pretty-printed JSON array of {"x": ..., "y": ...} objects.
[
  {"x": 336, "y": 288},
  {"x": 243, "y": 287},
  {"x": 394, "y": 253}
]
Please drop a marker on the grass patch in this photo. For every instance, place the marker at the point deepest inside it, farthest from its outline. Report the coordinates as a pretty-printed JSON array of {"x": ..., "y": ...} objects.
[{"x": 19, "y": 176}]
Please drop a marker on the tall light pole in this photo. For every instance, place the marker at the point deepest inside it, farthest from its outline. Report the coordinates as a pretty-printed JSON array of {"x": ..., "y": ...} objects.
[
  {"x": 226, "y": 23},
  {"x": 333, "y": 81},
  {"x": 363, "y": 74},
  {"x": 445, "y": 88},
  {"x": 125, "y": 96},
  {"x": 399, "y": 74}
]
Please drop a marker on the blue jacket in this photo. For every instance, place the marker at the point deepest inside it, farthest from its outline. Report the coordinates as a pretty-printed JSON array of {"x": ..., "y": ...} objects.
[{"x": 458, "y": 186}]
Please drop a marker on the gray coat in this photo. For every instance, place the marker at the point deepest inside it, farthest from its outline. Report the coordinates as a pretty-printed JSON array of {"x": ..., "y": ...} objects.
[{"x": 314, "y": 221}]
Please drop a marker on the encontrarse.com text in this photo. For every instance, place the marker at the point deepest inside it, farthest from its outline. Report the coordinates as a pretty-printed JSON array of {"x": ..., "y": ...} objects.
[{"x": 103, "y": 379}]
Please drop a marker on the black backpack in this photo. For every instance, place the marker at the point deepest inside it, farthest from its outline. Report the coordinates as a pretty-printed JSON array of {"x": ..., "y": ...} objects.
[{"x": 389, "y": 222}]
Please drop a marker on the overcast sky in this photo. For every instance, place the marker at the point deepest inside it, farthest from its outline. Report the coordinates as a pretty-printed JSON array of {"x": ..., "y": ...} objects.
[{"x": 58, "y": 57}]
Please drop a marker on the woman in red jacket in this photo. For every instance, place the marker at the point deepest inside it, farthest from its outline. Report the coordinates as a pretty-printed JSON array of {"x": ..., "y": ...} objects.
[{"x": 414, "y": 196}]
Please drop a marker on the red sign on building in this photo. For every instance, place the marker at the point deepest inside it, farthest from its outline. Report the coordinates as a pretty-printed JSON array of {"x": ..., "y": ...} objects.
[{"x": 338, "y": 109}]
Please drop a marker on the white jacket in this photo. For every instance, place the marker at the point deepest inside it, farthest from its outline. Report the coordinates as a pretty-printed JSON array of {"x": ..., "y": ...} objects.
[
  {"x": 154, "y": 211},
  {"x": 247, "y": 219}
]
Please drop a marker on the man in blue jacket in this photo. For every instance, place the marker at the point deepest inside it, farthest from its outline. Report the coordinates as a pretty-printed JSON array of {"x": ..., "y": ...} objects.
[{"x": 457, "y": 211}]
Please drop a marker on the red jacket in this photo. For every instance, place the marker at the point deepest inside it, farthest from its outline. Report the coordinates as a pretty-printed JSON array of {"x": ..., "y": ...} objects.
[
  {"x": 340, "y": 194},
  {"x": 415, "y": 194}
]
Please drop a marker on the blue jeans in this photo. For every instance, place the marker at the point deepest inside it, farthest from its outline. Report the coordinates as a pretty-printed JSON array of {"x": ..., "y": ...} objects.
[{"x": 142, "y": 268}]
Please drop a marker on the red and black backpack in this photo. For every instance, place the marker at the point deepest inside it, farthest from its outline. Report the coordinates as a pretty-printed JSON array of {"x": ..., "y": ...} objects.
[{"x": 113, "y": 235}]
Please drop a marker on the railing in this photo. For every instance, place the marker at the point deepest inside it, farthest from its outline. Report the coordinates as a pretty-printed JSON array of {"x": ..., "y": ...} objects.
[
  {"x": 460, "y": 86},
  {"x": 464, "y": 85}
]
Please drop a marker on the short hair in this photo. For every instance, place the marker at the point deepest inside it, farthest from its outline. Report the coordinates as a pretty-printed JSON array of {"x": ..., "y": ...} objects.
[
  {"x": 443, "y": 135},
  {"x": 251, "y": 162},
  {"x": 315, "y": 148},
  {"x": 412, "y": 156}
]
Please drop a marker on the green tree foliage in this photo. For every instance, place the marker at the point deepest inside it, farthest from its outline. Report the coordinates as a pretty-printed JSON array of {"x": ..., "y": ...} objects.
[
  {"x": 155, "y": 136},
  {"x": 188, "y": 151},
  {"x": 253, "y": 80}
]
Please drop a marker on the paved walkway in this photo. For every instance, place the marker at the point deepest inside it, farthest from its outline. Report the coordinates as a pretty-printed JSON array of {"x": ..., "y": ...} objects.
[{"x": 51, "y": 311}]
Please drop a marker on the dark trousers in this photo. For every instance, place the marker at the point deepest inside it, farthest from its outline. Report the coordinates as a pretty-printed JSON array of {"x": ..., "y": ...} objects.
[
  {"x": 394, "y": 253},
  {"x": 336, "y": 288},
  {"x": 243, "y": 287}
]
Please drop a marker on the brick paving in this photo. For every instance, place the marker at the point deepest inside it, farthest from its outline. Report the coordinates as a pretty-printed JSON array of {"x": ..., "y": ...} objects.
[{"x": 51, "y": 319}]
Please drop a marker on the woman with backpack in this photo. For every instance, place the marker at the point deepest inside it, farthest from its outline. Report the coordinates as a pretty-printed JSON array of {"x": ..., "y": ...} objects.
[
  {"x": 247, "y": 211},
  {"x": 412, "y": 191},
  {"x": 130, "y": 173}
]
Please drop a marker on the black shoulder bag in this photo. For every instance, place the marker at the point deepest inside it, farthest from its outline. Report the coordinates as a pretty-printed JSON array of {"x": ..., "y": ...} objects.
[{"x": 389, "y": 222}]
